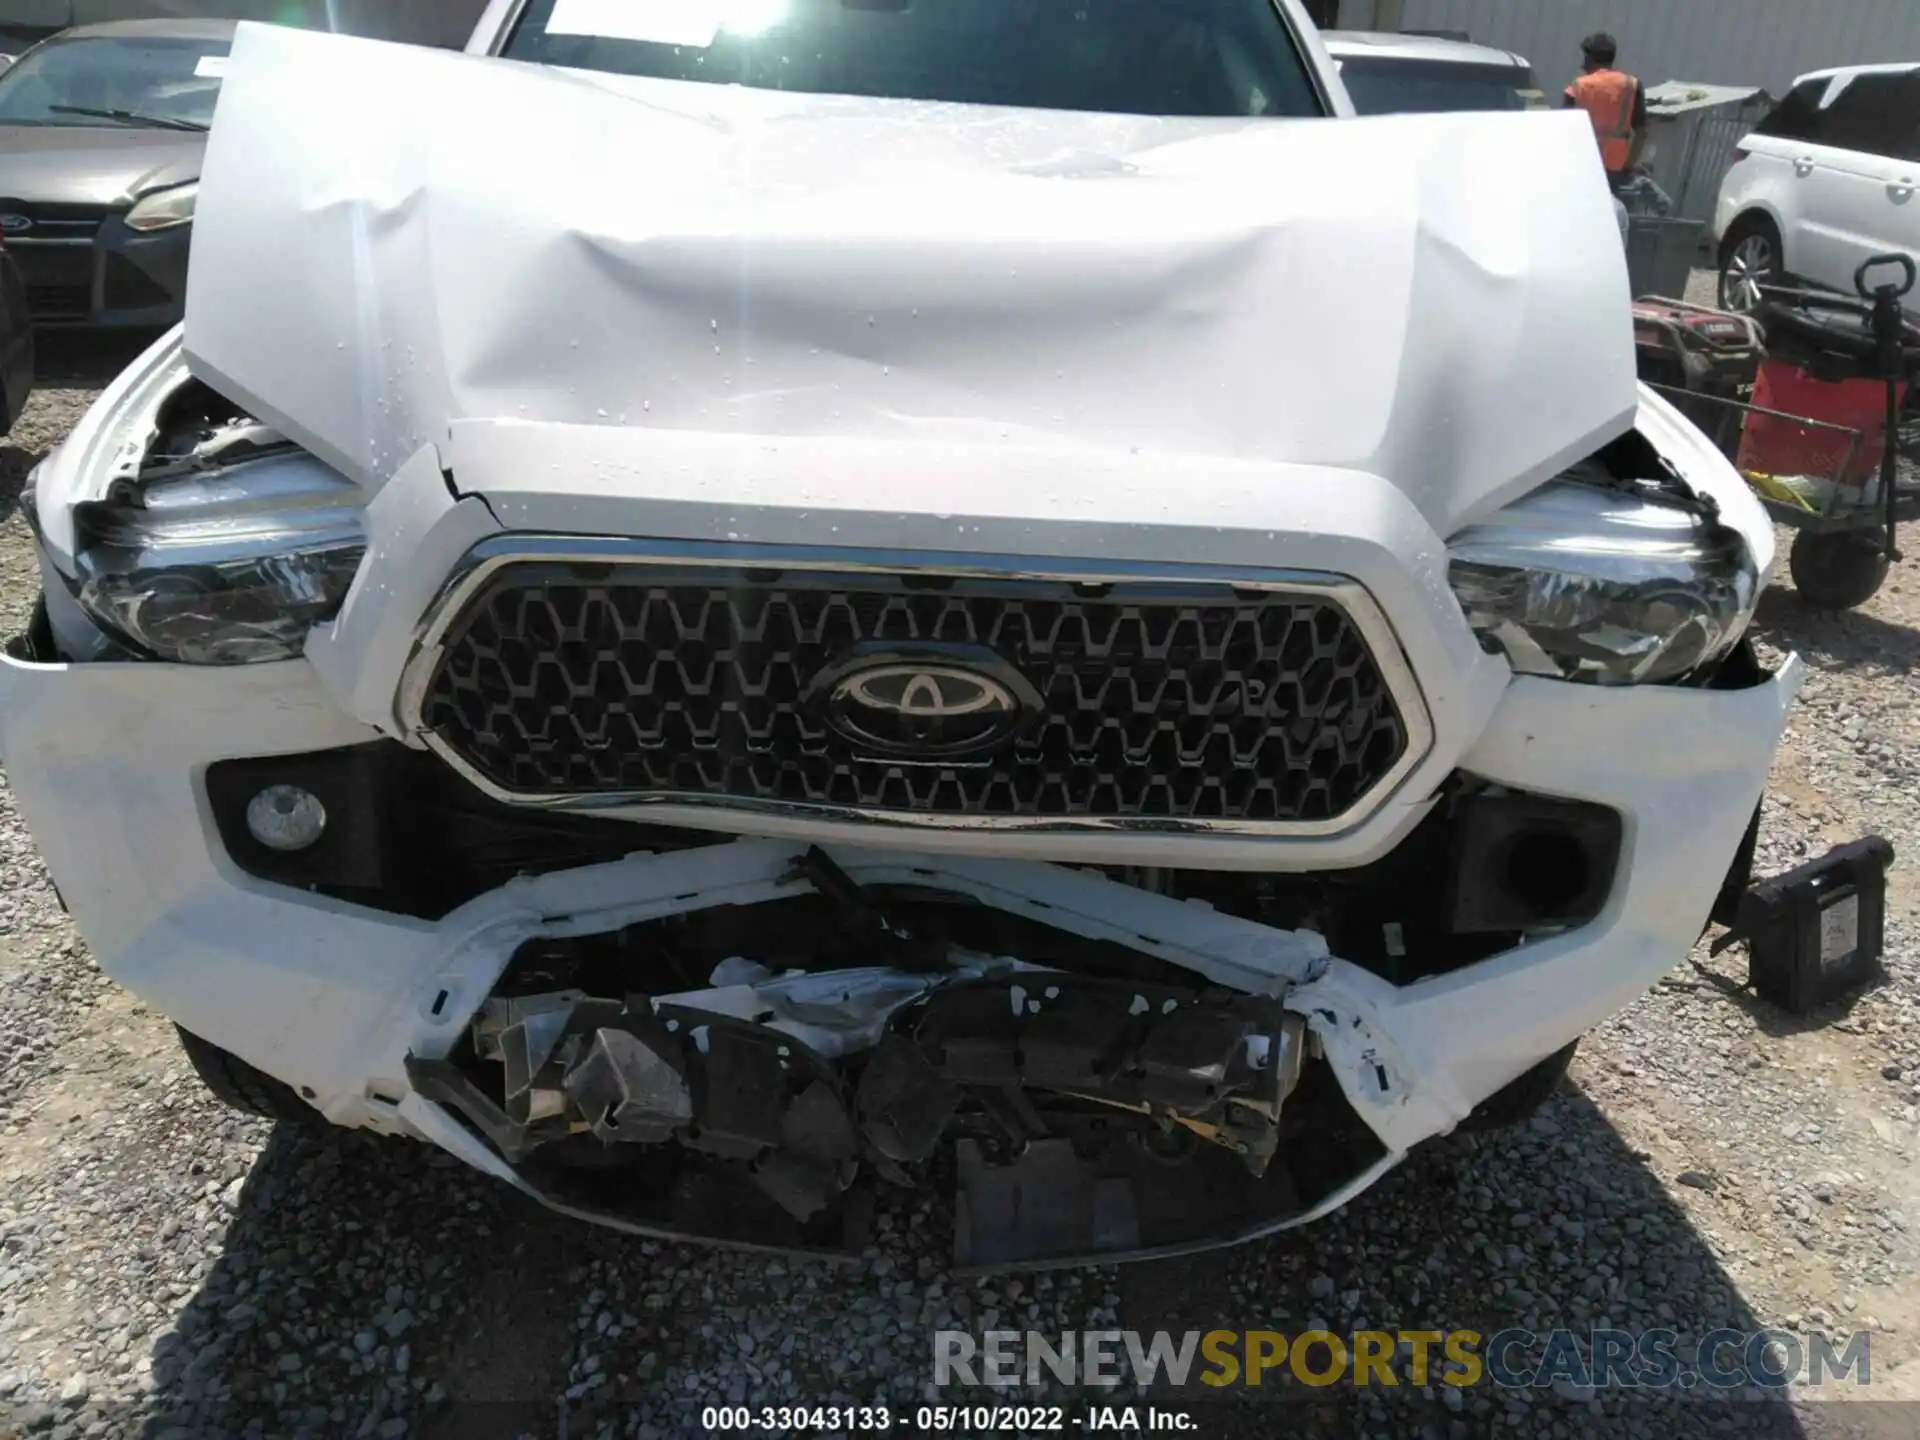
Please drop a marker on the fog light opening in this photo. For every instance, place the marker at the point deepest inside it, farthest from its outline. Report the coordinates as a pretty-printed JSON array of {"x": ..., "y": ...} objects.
[
  {"x": 285, "y": 817},
  {"x": 1547, "y": 869}
]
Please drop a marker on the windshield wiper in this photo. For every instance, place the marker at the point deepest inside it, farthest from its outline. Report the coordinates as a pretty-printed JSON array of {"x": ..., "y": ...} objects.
[{"x": 129, "y": 117}]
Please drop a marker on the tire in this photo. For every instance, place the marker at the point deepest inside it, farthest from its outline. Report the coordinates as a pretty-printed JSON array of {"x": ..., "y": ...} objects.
[
  {"x": 1750, "y": 256},
  {"x": 1515, "y": 1102},
  {"x": 238, "y": 1085},
  {"x": 1837, "y": 571}
]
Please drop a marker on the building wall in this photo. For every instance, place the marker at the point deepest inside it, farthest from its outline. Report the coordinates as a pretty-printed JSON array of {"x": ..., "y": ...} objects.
[{"x": 1719, "y": 42}]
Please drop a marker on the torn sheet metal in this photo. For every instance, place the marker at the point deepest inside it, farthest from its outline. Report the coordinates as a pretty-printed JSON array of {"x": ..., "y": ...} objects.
[
  {"x": 833, "y": 1012},
  {"x": 483, "y": 239},
  {"x": 1387, "y": 1074}
]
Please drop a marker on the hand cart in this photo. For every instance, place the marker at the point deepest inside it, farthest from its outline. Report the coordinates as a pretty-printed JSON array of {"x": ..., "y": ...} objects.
[{"x": 1816, "y": 429}]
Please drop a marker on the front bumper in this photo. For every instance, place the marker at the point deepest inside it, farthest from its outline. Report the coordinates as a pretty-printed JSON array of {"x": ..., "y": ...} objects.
[
  {"x": 108, "y": 762},
  {"x": 126, "y": 774},
  {"x": 118, "y": 279}
]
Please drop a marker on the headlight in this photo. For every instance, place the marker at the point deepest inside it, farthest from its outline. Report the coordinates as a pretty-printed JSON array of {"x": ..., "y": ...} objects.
[
  {"x": 225, "y": 571},
  {"x": 1610, "y": 586},
  {"x": 163, "y": 209}
]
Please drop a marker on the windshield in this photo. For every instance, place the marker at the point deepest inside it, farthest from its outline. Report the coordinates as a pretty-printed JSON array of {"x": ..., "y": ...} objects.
[
  {"x": 1389, "y": 87},
  {"x": 165, "y": 83},
  {"x": 1139, "y": 57}
]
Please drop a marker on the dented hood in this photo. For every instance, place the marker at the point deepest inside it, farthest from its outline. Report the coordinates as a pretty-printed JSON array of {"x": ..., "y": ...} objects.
[{"x": 390, "y": 240}]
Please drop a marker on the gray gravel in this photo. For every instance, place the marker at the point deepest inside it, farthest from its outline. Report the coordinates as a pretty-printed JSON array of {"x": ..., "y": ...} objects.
[
  {"x": 167, "y": 1268},
  {"x": 47, "y": 979}
]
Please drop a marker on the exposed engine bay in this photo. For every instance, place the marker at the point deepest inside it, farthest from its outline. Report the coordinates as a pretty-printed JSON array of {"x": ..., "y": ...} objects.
[{"x": 1081, "y": 1100}]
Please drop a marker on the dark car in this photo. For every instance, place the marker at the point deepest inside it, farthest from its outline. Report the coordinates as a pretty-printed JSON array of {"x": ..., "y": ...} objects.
[
  {"x": 102, "y": 129},
  {"x": 16, "y": 341}
]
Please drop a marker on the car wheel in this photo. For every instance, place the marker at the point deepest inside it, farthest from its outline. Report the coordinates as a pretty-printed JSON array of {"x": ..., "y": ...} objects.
[
  {"x": 237, "y": 1084},
  {"x": 1515, "y": 1102},
  {"x": 1837, "y": 571},
  {"x": 1749, "y": 260}
]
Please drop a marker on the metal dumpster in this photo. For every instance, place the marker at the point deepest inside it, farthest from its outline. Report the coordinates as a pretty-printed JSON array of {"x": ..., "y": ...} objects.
[{"x": 1691, "y": 132}]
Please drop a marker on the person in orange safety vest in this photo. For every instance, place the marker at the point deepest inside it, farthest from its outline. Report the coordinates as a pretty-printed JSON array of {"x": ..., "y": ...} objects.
[{"x": 1616, "y": 103}]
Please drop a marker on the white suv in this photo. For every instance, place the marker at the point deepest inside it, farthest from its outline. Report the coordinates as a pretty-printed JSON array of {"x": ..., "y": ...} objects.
[
  {"x": 1427, "y": 74},
  {"x": 1036, "y": 609},
  {"x": 1826, "y": 183}
]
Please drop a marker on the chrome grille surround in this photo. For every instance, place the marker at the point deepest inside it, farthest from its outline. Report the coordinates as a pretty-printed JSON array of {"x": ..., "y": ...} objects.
[{"x": 1380, "y": 695}]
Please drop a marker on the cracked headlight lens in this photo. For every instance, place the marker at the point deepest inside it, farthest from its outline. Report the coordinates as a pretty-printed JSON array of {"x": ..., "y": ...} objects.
[
  {"x": 1595, "y": 583},
  {"x": 226, "y": 571}
]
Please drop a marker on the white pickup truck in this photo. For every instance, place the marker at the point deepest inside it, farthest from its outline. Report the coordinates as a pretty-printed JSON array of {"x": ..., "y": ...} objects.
[{"x": 722, "y": 606}]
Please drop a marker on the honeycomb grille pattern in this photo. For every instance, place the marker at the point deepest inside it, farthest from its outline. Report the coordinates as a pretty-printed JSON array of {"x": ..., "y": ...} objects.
[{"x": 1158, "y": 702}]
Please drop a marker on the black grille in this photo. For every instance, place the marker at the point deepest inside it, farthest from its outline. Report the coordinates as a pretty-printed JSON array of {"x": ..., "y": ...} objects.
[
  {"x": 59, "y": 279},
  {"x": 1155, "y": 701},
  {"x": 46, "y": 221},
  {"x": 58, "y": 302}
]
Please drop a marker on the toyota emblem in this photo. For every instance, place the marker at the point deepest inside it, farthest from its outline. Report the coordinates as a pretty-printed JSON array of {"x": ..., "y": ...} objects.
[{"x": 927, "y": 708}]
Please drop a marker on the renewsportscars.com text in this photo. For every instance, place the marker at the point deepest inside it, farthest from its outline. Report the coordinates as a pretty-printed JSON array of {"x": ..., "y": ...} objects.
[{"x": 1602, "y": 1358}]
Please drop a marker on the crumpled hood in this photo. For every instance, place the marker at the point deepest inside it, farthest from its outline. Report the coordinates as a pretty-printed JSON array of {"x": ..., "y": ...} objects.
[{"x": 1439, "y": 300}]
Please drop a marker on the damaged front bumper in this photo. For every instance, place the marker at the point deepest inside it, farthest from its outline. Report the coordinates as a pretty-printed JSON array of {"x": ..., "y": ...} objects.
[
  {"x": 1097, "y": 1071},
  {"x": 1085, "y": 1115}
]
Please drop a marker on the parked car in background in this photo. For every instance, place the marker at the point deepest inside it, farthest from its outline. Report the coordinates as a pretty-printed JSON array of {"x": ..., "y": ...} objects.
[
  {"x": 1388, "y": 74},
  {"x": 1827, "y": 181},
  {"x": 102, "y": 129},
  {"x": 16, "y": 341},
  {"x": 444, "y": 23}
]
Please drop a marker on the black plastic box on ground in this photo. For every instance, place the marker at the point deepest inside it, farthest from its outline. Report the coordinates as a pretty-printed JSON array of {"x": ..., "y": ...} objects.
[
  {"x": 1816, "y": 930},
  {"x": 1661, "y": 252}
]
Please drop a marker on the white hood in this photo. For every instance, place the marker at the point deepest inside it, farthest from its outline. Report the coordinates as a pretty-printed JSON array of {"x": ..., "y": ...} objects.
[{"x": 390, "y": 240}]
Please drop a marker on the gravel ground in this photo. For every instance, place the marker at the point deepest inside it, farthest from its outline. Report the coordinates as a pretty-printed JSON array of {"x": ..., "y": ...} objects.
[{"x": 169, "y": 1269}]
